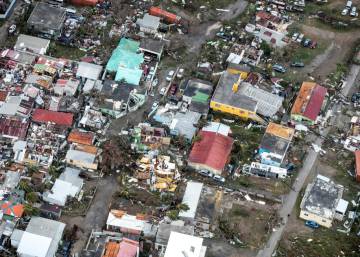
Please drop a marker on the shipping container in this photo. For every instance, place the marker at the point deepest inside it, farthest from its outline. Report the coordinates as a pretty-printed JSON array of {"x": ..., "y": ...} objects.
[{"x": 167, "y": 16}]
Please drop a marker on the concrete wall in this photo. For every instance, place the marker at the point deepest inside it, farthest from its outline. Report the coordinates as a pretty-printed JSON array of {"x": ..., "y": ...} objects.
[{"x": 319, "y": 220}]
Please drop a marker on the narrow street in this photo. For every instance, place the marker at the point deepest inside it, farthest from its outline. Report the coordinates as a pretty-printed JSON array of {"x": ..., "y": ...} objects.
[
  {"x": 308, "y": 167},
  {"x": 97, "y": 213}
]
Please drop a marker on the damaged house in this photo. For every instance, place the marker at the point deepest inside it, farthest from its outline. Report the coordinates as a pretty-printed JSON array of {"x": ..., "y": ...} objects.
[
  {"x": 211, "y": 152},
  {"x": 119, "y": 99},
  {"x": 275, "y": 144},
  {"x": 233, "y": 95},
  {"x": 308, "y": 103},
  {"x": 322, "y": 202},
  {"x": 46, "y": 20}
]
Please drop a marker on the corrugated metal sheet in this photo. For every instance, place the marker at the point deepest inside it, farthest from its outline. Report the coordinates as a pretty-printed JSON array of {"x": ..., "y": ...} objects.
[
  {"x": 85, "y": 138},
  {"x": 280, "y": 131},
  {"x": 316, "y": 100},
  {"x": 309, "y": 101},
  {"x": 212, "y": 150},
  {"x": 59, "y": 118},
  {"x": 357, "y": 165}
]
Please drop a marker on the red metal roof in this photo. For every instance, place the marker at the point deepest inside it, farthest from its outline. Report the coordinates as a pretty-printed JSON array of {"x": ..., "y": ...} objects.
[
  {"x": 313, "y": 107},
  {"x": 212, "y": 150},
  {"x": 59, "y": 118},
  {"x": 357, "y": 165},
  {"x": 128, "y": 248},
  {"x": 85, "y": 138},
  {"x": 13, "y": 127}
]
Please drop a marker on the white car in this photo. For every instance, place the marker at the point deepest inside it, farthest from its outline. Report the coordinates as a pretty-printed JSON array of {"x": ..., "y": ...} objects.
[
  {"x": 155, "y": 105},
  {"x": 170, "y": 75},
  {"x": 219, "y": 178},
  {"x": 345, "y": 12},
  {"x": 295, "y": 36},
  {"x": 353, "y": 12},
  {"x": 206, "y": 173},
  {"x": 12, "y": 29},
  {"x": 180, "y": 73},
  {"x": 162, "y": 91},
  {"x": 300, "y": 38}
]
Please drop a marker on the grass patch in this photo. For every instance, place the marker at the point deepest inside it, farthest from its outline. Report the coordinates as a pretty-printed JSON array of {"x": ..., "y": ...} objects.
[
  {"x": 322, "y": 243},
  {"x": 61, "y": 51},
  {"x": 237, "y": 210}
]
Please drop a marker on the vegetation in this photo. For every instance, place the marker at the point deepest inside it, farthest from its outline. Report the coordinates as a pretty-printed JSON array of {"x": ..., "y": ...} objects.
[{"x": 322, "y": 243}]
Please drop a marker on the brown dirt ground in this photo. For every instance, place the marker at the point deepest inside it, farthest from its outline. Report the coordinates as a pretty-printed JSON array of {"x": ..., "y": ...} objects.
[{"x": 337, "y": 52}]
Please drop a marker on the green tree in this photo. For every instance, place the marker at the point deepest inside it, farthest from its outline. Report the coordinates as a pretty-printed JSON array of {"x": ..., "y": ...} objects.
[
  {"x": 266, "y": 48},
  {"x": 173, "y": 214},
  {"x": 24, "y": 185},
  {"x": 30, "y": 210},
  {"x": 32, "y": 197}
]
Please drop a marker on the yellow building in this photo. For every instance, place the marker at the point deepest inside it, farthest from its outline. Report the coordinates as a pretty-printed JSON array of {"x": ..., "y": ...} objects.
[{"x": 234, "y": 96}]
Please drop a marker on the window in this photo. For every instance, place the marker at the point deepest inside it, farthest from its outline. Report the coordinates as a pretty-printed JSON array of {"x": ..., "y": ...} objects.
[
  {"x": 305, "y": 214},
  {"x": 192, "y": 249},
  {"x": 323, "y": 221},
  {"x": 217, "y": 105}
]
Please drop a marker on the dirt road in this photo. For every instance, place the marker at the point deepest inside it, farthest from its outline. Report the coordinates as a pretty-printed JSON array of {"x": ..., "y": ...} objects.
[
  {"x": 96, "y": 215},
  {"x": 200, "y": 33},
  {"x": 337, "y": 52}
]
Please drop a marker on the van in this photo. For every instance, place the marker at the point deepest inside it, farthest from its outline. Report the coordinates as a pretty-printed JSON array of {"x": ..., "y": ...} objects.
[
  {"x": 353, "y": 12},
  {"x": 348, "y": 4}
]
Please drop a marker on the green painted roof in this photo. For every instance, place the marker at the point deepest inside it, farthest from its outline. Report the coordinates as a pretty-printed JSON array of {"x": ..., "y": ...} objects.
[
  {"x": 200, "y": 97},
  {"x": 125, "y": 61}
]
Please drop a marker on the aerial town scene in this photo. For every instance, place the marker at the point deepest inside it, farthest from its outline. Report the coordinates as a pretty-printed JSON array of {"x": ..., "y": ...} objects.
[{"x": 179, "y": 128}]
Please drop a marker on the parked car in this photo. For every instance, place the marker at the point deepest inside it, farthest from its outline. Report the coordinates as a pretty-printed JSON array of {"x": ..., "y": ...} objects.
[
  {"x": 219, "y": 178},
  {"x": 297, "y": 64},
  {"x": 206, "y": 173},
  {"x": 348, "y": 4},
  {"x": 279, "y": 68},
  {"x": 306, "y": 42},
  {"x": 355, "y": 98},
  {"x": 311, "y": 224},
  {"x": 295, "y": 36},
  {"x": 170, "y": 75},
  {"x": 173, "y": 89},
  {"x": 12, "y": 29},
  {"x": 180, "y": 73},
  {"x": 155, "y": 105},
  {"x": 353, "y": 12},
  {"x": 313, "y": 44},
  {"x": 162, "y": 91},
  {"x": 300, "y": 38},
  {"x": 345, "y": 12}
]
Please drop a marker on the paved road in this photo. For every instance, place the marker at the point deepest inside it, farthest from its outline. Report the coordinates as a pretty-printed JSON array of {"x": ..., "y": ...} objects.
[
  {"x": 309, "y": 163},
  {"x": 98, "y": 212}
]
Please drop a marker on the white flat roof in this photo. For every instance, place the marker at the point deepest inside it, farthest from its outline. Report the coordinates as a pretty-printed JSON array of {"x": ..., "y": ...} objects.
[
  {"x": 180, "y": 245},
  {"x": 342, "y": 206},
  {"x": 191, "y": 199},
  {"x": 126, "y": 221},
  {"x": 34, "y": 245}
]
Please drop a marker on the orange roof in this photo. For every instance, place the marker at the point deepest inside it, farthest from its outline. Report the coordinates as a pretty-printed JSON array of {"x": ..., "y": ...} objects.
[
  {"x": 280, "y": 131},
  {"x": 12, "y": 209},
  {"x": 357, "y": 165},
  {"x": 86, "y": 148},
  {"x": 3, "y": 95},
  {"x": 85, "y": 138},
  {"x": 303, "y": 97},
  {"x": 111, "y": 249}
]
